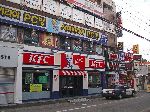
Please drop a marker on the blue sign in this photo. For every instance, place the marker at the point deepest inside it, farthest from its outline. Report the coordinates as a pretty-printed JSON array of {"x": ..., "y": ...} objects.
[
  {"x": 121, "y": 56},
  {"x": 53, "y": 25},
  {"x": 103, "y": 40}
]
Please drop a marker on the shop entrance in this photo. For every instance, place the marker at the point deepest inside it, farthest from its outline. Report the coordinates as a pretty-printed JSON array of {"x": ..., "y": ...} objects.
[{"x": 71, "y": 86}]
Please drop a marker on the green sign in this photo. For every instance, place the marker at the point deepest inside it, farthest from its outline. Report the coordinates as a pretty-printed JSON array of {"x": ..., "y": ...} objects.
[{"x": 43, "y": 79}]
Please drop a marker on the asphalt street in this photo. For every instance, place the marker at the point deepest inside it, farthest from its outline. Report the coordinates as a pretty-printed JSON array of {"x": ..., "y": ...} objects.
[{"x": 140, "y": 103}]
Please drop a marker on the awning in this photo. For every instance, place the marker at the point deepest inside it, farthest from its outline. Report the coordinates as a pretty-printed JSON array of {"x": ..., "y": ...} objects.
[{"x": 71, "y": 73}]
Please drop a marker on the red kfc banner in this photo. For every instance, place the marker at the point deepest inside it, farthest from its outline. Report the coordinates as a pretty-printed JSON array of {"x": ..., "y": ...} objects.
[
  {"x": 79, "y": 61},
  {"x": 97, "y": 64},
  {"x": 38, "y": 59}
]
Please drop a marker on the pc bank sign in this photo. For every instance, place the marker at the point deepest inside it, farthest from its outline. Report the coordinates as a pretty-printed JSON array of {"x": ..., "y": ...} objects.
[{"x": 8, "y": 57}]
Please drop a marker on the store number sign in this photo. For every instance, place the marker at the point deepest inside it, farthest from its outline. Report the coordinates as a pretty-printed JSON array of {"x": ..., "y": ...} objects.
[{"x": 38, "y": 59}]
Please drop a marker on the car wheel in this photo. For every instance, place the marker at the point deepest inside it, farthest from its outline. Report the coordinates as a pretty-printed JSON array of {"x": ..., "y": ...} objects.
[
  {"x": 133, "y": 94},
  {"x": 120, "y": 96},
  {"x": 107, "y": 98}
]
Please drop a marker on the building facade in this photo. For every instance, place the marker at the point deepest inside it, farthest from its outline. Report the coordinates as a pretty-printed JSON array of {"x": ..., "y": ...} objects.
[{"x": 48, "y": 53}]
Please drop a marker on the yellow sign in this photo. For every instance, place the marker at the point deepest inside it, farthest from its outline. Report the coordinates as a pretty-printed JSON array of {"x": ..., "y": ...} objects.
[
  {"x": 148, "y": 87},
  {"x": 135, "y": 49},
  {"x": 72, "y": 29},
  {"x": 35, "y": 87},
  {"x": 34, "y": 19},
  {"x": 7, "y": 12},
  {"x": 78, "y": 31}
]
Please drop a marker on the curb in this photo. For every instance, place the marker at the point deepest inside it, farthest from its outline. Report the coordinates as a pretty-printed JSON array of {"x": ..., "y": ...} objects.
[{"x": 51, "y": 101}]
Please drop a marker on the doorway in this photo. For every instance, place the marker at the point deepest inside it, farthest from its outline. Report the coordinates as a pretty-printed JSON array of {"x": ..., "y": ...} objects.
[{"x": 71, "y": 86}]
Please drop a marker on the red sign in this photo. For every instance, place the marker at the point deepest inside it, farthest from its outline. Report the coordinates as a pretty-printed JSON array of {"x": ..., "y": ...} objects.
[
  {"x": 38, "y": 59},
  {"x": 113, "y": 56},
  {"x": 128, "y": 56},
  {"x": 99, "y": 64},
  {"x": 79, "y": 61},
  {"x": 64, "y": 61}
]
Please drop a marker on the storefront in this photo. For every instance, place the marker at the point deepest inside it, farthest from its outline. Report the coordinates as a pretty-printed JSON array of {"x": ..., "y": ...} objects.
[
  {"x": 37, "y": 74},
  {"x": 8, "y": 65},
  {"x": 71, "y": 83},
  {"x": 96, "y": 71}
]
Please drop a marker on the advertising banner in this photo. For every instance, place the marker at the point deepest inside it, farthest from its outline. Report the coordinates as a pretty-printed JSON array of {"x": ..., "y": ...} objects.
[
  {"x": 89, "y": 20},
  {"x": 88, "y": 5},
  {"x": 65, "y": 11},
  {"x": 50, "y": 6},
  {"x": 38, "y": 59},
  {"x": 98, "y": 23},
  {"x": 35, "y": 4},
  {"x": 78, "y": 16},
  {"x": 35, "y": 87},
  {"x": 22, "y": 18},
  {"x": 77, "y": 31}
]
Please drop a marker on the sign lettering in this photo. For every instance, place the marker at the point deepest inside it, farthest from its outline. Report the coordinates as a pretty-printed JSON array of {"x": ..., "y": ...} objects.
[
  {"x": 99, "y": 64},
  {"x": 92, "y": 34},
  {"x": 7, "y": 12},
  {"x": 38, "y": 59},
  {"x": 73, "y": 29},
  {"x": 34, "y": 19}
]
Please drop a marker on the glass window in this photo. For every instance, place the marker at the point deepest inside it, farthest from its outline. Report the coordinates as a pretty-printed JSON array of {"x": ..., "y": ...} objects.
[
  {"x": 77, "y": 45},
  {"x": 31, "y": 37},
  {"x": 94, "y": 81},
  {"x": 35, "y": 78}
]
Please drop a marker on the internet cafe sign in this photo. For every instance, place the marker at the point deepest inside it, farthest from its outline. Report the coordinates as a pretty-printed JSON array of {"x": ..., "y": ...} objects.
[
  {"x": 77, "y": 31},
  {"x": 8, "y": 57}
]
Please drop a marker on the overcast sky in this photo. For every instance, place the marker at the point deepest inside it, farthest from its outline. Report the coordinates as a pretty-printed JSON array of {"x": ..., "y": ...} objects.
[{"x": 136, "y": 17}]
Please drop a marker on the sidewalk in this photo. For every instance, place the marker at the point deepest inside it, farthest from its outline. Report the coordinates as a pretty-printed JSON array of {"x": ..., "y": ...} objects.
[{"x": 51, "y": 101}]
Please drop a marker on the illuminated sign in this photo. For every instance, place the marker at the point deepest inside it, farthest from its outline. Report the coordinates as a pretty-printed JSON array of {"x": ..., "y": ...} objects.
[
  {"x": 78, "y": 31},
  {"x": 22, "y": 18},
  {"x": 34, "y": 19},
  {"x": 38, "y": 59},
  {"x": 7, "y": 12}
]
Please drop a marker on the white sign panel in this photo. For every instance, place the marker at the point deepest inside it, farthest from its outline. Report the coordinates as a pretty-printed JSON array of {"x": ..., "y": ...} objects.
[
  {"x": 50, "y": 6},
  {"x": 15, "y": 1},
  {"x": 112, "y": 27},
  {"x": 65, "y": 11},
  {"x": 8, "y": 57},
  {"x": 106, "y": 26},
  {"x": 35, "y": 4},
  {"x": 78, "y": 16},
  {"x": 98, "y": 23},
  {"x": 89, "y": 20}
]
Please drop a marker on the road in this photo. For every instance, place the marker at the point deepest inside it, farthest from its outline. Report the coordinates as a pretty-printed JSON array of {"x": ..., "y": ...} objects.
[{"x": 140, "y": 103}]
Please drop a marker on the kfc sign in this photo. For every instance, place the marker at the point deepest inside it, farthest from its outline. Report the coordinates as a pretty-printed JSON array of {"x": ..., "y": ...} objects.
[
  {"x": 38, "y": 59},
  {"x": 97, "y": 64}
]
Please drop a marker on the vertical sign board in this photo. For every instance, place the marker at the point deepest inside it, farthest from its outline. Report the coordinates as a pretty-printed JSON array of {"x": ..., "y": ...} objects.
[
  {"x": 98, "y": 23},
  {"x": 8, "y": 57}
]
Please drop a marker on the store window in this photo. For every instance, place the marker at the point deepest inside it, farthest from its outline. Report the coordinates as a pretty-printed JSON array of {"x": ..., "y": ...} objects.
[
  {"x": 35, "y": 81},
  {"x": 86, "y": 46},
  {"x": 77, "y": 45},
  {"x": 65, "y": 43},
  {"x": 31, "y": 37},
  {"x": 94, "y": 80}
]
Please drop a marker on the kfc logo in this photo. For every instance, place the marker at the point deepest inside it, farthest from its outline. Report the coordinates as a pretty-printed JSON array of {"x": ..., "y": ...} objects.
[
  {"x": 99, "y": 64},
  {"x": 38, "y": 59}
]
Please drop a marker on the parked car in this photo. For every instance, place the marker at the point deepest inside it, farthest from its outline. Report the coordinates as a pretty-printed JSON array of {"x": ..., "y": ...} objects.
[{"x": 118, "y": 91}]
